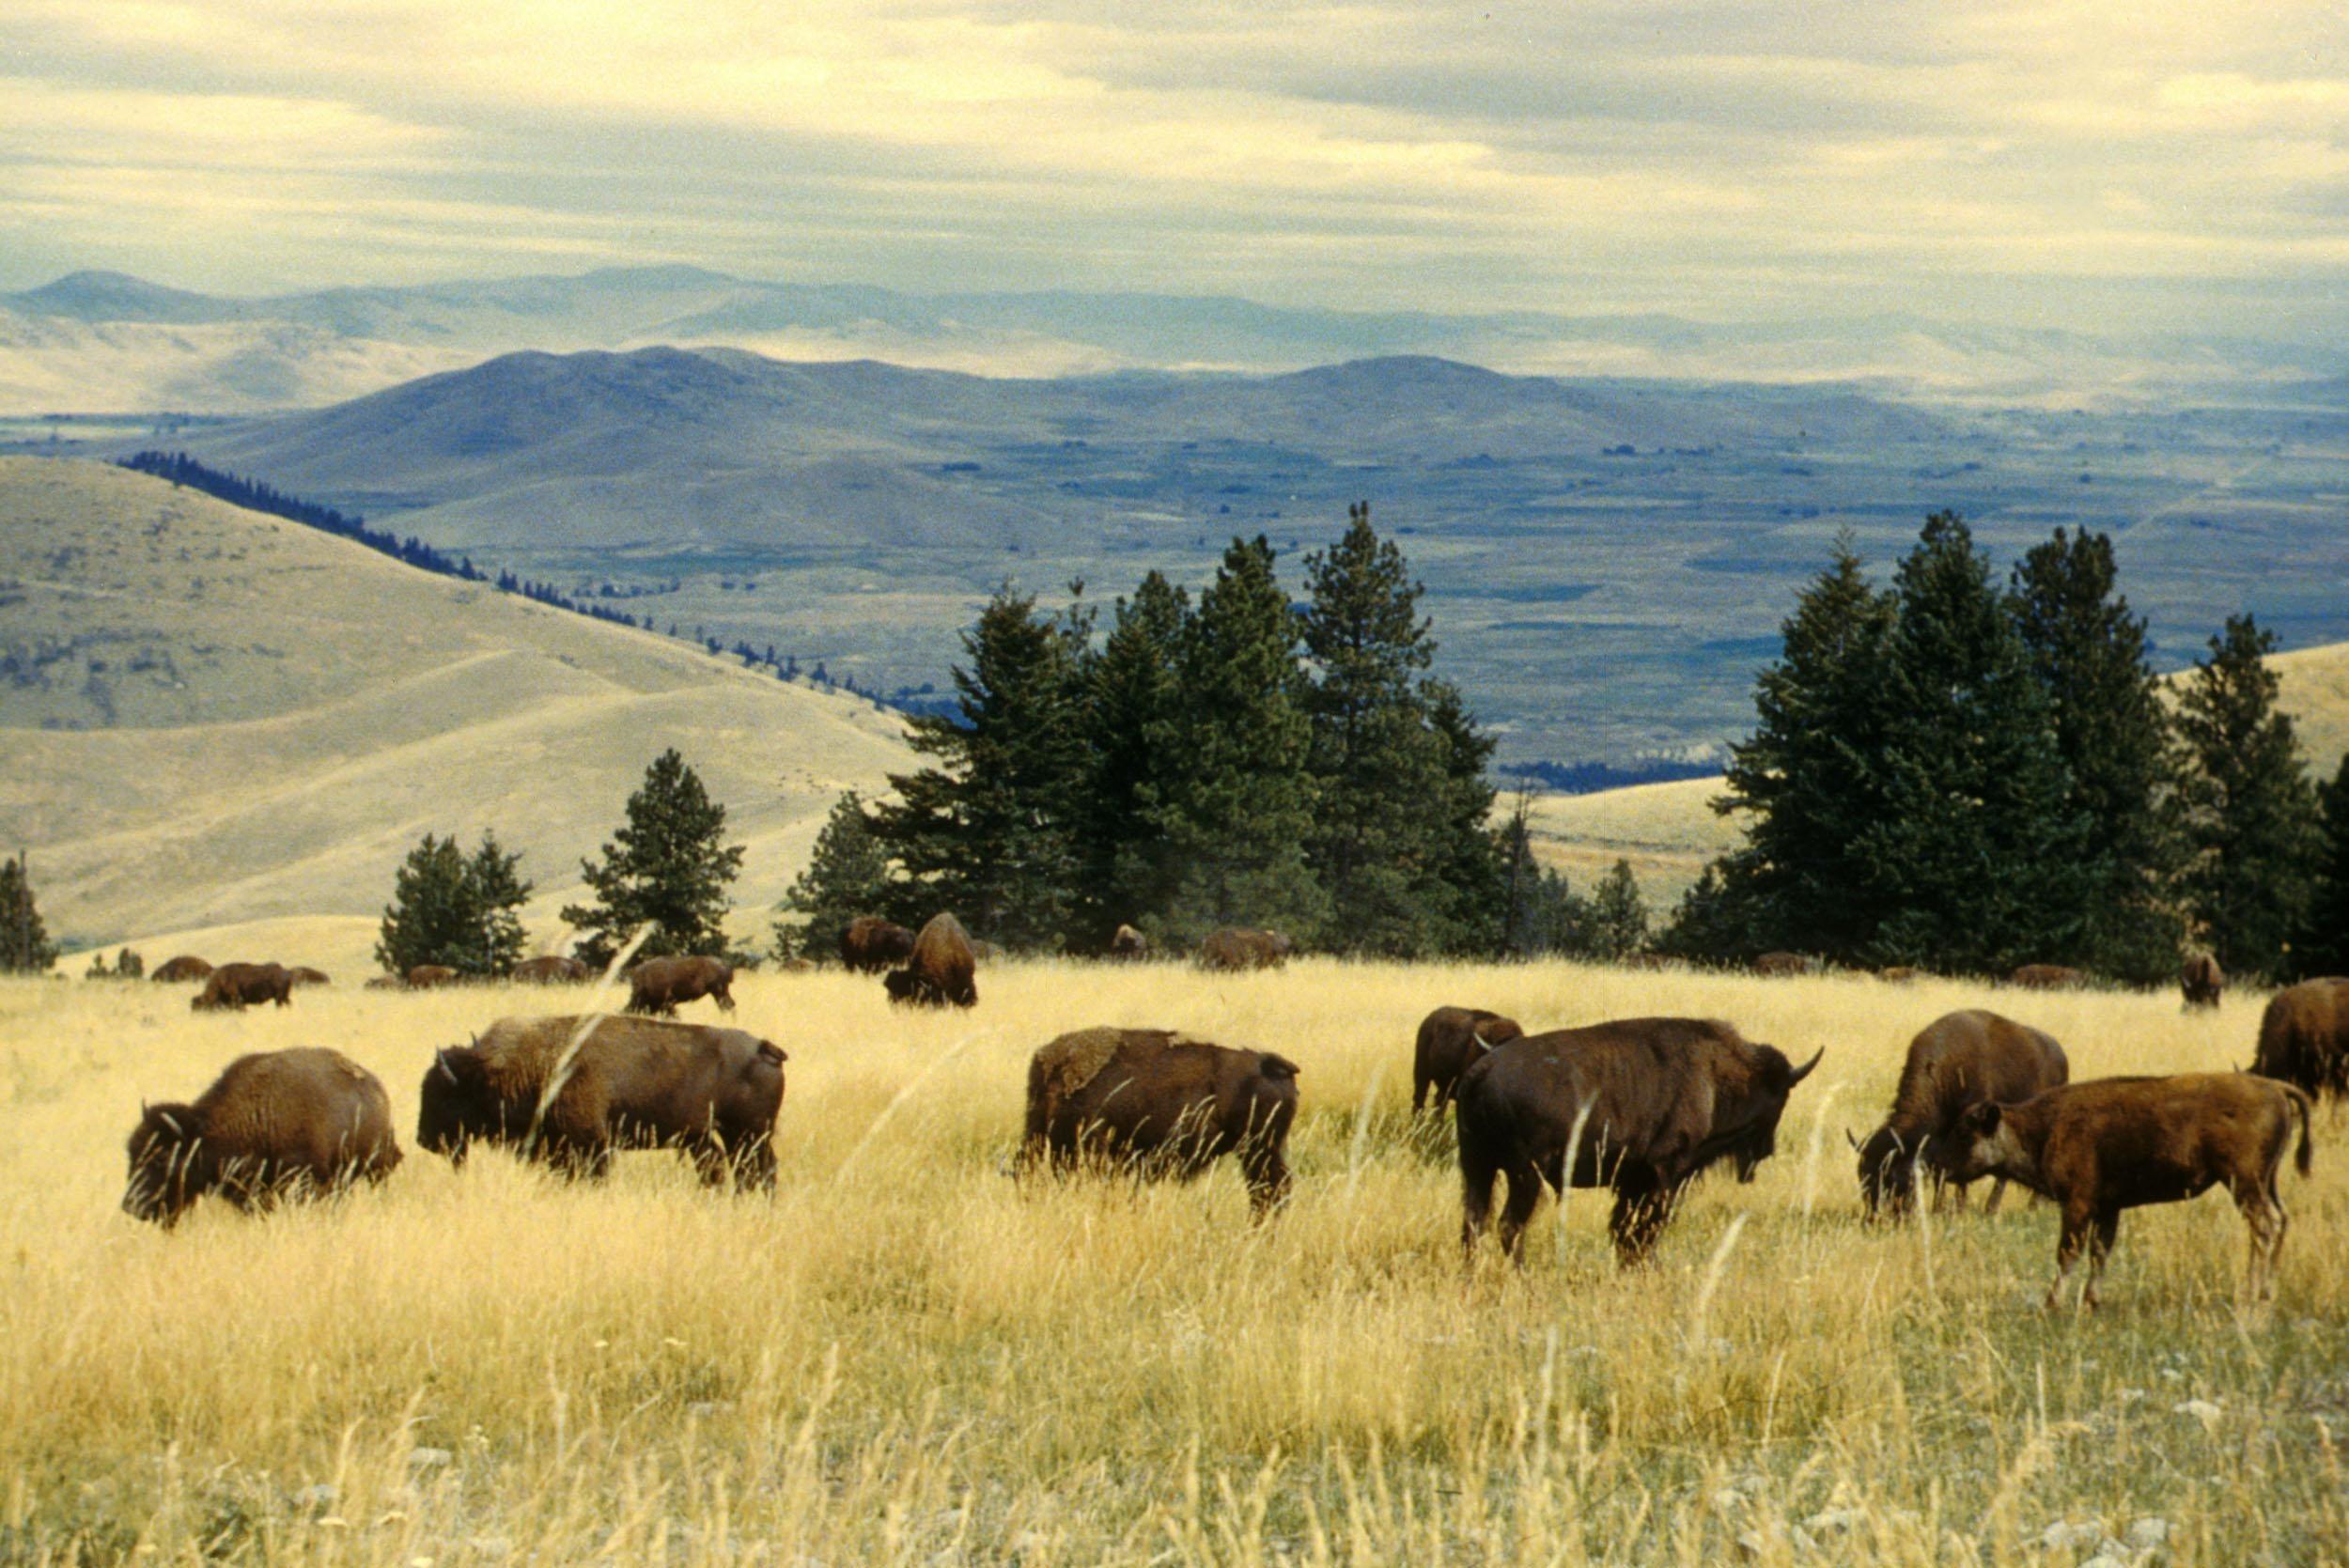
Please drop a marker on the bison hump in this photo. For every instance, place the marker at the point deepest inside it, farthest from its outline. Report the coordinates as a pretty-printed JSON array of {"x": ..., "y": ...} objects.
[
  {"x": 1068, "y": 1063},
  {"x": 1279, "y": 1066}
]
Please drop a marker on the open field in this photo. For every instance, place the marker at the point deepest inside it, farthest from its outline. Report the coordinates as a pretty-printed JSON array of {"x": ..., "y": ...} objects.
[{"x": 904, "y": 1357}]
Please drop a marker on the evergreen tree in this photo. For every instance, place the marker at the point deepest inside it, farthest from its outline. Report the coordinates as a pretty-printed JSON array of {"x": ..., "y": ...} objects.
[
  {"x": 1614, "y": 920},
  {"x": 667, "y": 866},
  {"x": 1537, "y": 912},
  {"x": 24, "y": 944},
  {"x": 2112, "y": 733},
  {"x": 1707, "y": 926},
  {"x": 1464, "y": 889},
  {"x": 2251, "y": 817},
  {"x": 496, "y": 889},
  {"x": 1980, "y": 853},
  {"x": 1239, "y": 812},
  {"x": 1134, "y": 705},
  {"x": 2323, "y": 947},
  {"x": 448, "y": 908},
  {"x": 847, "y": 877},
  {"x": 1810, "y": 782},
  {"x": 994, "y": 832},
  {"x": 1377, "y": 763}
]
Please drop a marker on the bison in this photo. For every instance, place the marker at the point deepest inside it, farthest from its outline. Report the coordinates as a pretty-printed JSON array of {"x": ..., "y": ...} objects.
[
  {"x": 184, "y": 968},
  {"x": 1898, "y": 974},
  {"x": 551, "y": 969},
  {"x": 239, "y": 986},
  {"x": 2116, "y": 1143},
  {"x": 2203, "y": 981},
  {"x": 1449, "y": 1039},
  {"x": 937, "y": 972},
  {"x": 1640, "y": 1105},
  {"x": 870, "y": 945},
  {"x": 1234, "y": 948},
  {"x": 284, "y": 1124},
  {"x": 570, "y": 1091},
  {"x": 386, "y": 983},
  {"x": 2047, "y": 977},
  {"x": 302, "y": 974},
  {"x": 661, "y": 985},
  {"x": 1954, "y": 1064},
  {"x": 2304, "y": 1036},
  {"x": 431, "y": 977},
  {"x": 1129, "y": 944},
  {"x": 1779, "y": 964},
  {"x": 1163, "y": 1104}
]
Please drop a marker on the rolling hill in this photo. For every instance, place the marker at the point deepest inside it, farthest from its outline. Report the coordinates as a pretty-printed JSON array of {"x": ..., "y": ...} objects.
[{"x": 214, "y": 716}]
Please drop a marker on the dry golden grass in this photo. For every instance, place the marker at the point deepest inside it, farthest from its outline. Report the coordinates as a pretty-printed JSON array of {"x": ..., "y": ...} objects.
[{"x": 905, "y": 1357}]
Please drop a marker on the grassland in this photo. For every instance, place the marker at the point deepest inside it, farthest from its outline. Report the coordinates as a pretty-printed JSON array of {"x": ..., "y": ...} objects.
[{"x": 904, "y": 1357}]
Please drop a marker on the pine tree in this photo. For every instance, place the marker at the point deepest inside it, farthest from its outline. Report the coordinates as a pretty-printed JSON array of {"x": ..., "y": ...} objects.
[
  {"x": 496, "y": 891},
  {"x": 1464, "y": 887},
  {"x": 2251, "y": 815},
  {"x": 1707, "y": 926},
  {"x": 1614, "y": 920},
  {"x": 2112, "y": 733},
  {"x": 1237, "y": 814},
  {"x": 848, "y": 876},
  {"x": 667, "y": 867},
  {"x": 2323, "y": 947},
  {"x": 24, "y": 944},
  {"x": 994, "y": 832},
  {"x": 1980, "y": 853},
  {"x": 447, "y": 909},
  {"x": 1375, "y": 761},
  {"x": 1134, "y": 702}
]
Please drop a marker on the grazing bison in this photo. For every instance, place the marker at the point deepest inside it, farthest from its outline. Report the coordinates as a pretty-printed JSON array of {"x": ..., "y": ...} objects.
[
  {"x": 797, "y": 966},
  {"x": 1640, "y": 1106},
  {"x": 2304, "y": 1036},
  {"x": 2203, "y": 981},
  {"x": 184, "y": 968},
  {"x": 431, "y": 977},
  {"x": 1129, "y": 944},
  {"x": 937, "y": 972},
  {"x": 1165, "y": 1104},
  {"x": 1898, "y": 974},
  {"x": 1954, "y": 1064},
  {"x": 1779, "y": 964},
  {"x": 2047, "y": 977},
  {"x": 2116, "y": 1143},
  {"x": 241, "y": 985},
  {"x": 304, "y": 974},
  {"x": 661, "y": 985},
  {"x": 551, "y": 970},
  {"x": 626, "y": 1083},
  {"x": 1234, "y": 948},
  {"x": 870, "y": 945},
  {"x": 1449, "y": 1039},
  {"x": 386, "y": 983},
  {"x": 281, "y": 1123}
]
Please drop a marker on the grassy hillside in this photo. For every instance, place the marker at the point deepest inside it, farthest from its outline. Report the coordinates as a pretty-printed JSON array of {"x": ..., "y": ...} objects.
[
  {"x": 905, "y": 1358},
  {"x": 285, "y": 714}
]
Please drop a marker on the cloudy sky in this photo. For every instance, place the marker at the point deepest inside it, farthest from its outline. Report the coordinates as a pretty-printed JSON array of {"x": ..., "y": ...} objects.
[{"x": 2089, "y": 160}]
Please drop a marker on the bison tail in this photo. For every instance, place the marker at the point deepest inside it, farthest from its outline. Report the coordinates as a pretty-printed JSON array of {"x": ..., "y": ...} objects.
[
  {"x": 1279, "y": 1066},
  {"x": 2302, "y": 1160}
]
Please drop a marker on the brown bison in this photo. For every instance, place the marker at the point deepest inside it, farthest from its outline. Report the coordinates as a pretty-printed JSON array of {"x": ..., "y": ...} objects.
[
  {"x": 283, "y": 1123},
  {"x": 984, "y": 952},
  {"x": 386, "y": 983},
  {"x": 2203, "y": 981},
  {"x": 2116, "y": 1143},
  {"x": 1129, "y": 944},
  {"x": 2047, "y": 977},
  {"x": 661, "y": 985},
  {"x": 870, "y": 945},
  {"x": 551, "y": 970},
  {"x": 1779, "y": 964},
  {"x": 1449, "y": 1039},
  {"x": 1234, "y": 948},
  {"x": 570, "y": 1091},
  {"x": 1898, "y": 974},
  {"x": 431, "y": 977},
  {"x": 1954, "y": 1064},
  {"x": 1640, "y": 1106},
  {"x": 2304, "y": 1036},
  {"x": 937, "y": 972},
  {"x": 302, "y": 974},
  {"x": 182, "y": 969},
  {"x": 1162, "y": 1104},
  {"x": 241, "y": 985}
]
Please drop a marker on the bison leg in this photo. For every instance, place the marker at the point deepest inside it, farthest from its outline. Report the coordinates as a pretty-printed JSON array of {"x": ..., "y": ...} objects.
[
  {"x": 2099, "y": 1249},
  {"x": 2078, "y": 1219},
  {"x": 1516, "y": 1211},
  {"x": 1420, "y": 1085},
  {"x": 1267, "y": 1176},
  {"x": 1998, "y": 1190},
  {"x": 2262, "y": 1210},
  {"x": 755, "y": 1167},
  {"x": 1643, "y": 1202},
  {"x": 725, "y": 998},
  {"x": 1476, "y": 1200}
]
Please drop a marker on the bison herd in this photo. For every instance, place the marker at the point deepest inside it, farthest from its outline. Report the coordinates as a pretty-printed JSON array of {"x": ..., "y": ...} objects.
[{"x": 1642, "y": 1107}]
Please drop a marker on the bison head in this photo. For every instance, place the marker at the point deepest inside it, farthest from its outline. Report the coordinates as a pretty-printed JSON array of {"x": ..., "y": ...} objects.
[
  {"x": 1888, "y": 1173},
  {"x": 457, "y": 1103},
  {"x": 1746, "y": 1125},
  {"x": 161, "y": 1150},
  {"x": 1979, "y": 1144}
]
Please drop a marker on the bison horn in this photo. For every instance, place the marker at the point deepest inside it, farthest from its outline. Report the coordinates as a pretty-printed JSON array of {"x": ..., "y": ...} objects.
[
  {"x": 1804, "y": 1071},
  {"x": 1851, "y": 1137},
  {"x": 439, "y": 1060}
]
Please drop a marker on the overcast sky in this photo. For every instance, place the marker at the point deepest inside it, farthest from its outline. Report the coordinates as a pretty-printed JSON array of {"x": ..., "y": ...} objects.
[{"x": 2097, "y": 160}]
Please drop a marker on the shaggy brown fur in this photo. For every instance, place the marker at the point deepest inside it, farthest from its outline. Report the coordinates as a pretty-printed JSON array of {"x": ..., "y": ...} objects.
[
  {"x": 2116, "y": 1143},
  {"x": 428, "y": 977},
  {"x": 2304, "y": 1036},
  {"x": 304, "y": 975},
  {"x": 1234, "y": 948},
  {"x": 552, "y": 969},
  {"x": 184, "y": 968},
  {"x": 630, "y": 1083},
  {"x": 1449, "y": 1039},
  {"x": 283, "y": 1123},
  {"x": 871, "y": 945},
  {"x": 1129, "y": 944},
  {"x": 2046, "y": 977},
  {"x": 241, "y": 985},
  {"x": 661, "y": 985},
  {"x": 2203, "y": 981},
  {"x": 1779, "y": 964},
  {"x": 1955, "y": 1063},
  {"x": 939, "y": 971}
]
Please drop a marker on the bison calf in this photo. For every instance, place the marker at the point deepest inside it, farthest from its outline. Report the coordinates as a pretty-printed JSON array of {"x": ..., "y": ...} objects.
[
  {"x": 1451, "y": 1038},
  {"x": 2117, "y": 1144},
  {"x": 1955, "y": 1063},
  {"x": 573, "y": 1090},
  {"x": 661, "y": 985},
  {"x": 241, "y": 985},
  {"x": 280, "y": 1123},
  {"x": 1163, "y": 1104}
]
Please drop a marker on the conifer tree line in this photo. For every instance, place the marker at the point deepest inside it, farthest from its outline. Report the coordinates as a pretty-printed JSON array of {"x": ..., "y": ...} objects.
[{"x": 1966, "y": 776}]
